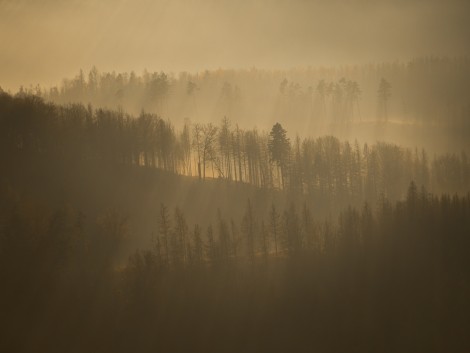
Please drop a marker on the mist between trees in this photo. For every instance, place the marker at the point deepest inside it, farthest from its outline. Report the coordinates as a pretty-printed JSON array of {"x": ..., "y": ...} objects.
[
  {"x": 421, "y": 102},
  {"x": 255, "y": 241},
  {"x": 280, "y": 282},
  {"x": 325, "y": 168}
]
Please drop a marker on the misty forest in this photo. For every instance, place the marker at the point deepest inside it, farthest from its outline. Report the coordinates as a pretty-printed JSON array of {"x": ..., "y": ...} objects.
[{"x": 245, "y": 204}]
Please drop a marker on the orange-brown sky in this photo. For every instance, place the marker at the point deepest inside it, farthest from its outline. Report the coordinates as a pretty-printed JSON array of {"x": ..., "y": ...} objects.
[{"x": 44, "y": 41}]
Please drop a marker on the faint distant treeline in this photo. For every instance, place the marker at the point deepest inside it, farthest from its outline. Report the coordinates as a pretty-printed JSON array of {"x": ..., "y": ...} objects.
[
  {"x": 325, "y": 168},
  {"x": 427, "y": 90}
]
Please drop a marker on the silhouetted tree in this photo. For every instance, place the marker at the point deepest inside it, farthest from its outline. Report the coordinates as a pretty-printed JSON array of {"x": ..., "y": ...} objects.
[
  {"x": 274, "y": 223},
  {"x": 383, "y": 96},
  {"x": 164, "y": 231},
  {"x": 279, "y": 148}
]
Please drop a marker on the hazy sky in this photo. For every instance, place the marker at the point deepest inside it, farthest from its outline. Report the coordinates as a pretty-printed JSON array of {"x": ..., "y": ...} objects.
[{"x": 44, "y": 41}]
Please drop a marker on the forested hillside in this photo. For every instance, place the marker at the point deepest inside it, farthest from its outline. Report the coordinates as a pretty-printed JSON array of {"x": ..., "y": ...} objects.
[
  {"x": 234, "y": 176},
  {"x": 269, "y": 159},
  {"x": 424, "y": 101},
  {"x": 122, "y": 233}
]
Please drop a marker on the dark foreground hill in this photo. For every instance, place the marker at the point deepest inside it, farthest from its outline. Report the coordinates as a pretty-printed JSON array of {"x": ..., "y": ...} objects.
[{"x": 392, "y": 280}]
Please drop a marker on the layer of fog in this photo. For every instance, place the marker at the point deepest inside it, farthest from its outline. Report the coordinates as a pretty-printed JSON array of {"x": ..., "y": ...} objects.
[{"x": 42, "y": 42}]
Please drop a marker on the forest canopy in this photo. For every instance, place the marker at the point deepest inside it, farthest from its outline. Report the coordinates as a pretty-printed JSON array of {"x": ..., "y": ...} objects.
[
  {"x": 272, "y": 262},
  {"x": 234, "y": 176},
  {"x": 419, "y": 109}
]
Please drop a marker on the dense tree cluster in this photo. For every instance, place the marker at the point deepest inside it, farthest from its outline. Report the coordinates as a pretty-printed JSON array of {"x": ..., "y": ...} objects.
[
  {"x": 395, "y": 276},
  {"x": 295, "y": 231},
  {"x": 274, "y": 268},
  {"x": 325, "y": 168},
  {"x": 426, "y": 90},
  {"x": 338, "y": 101}
]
